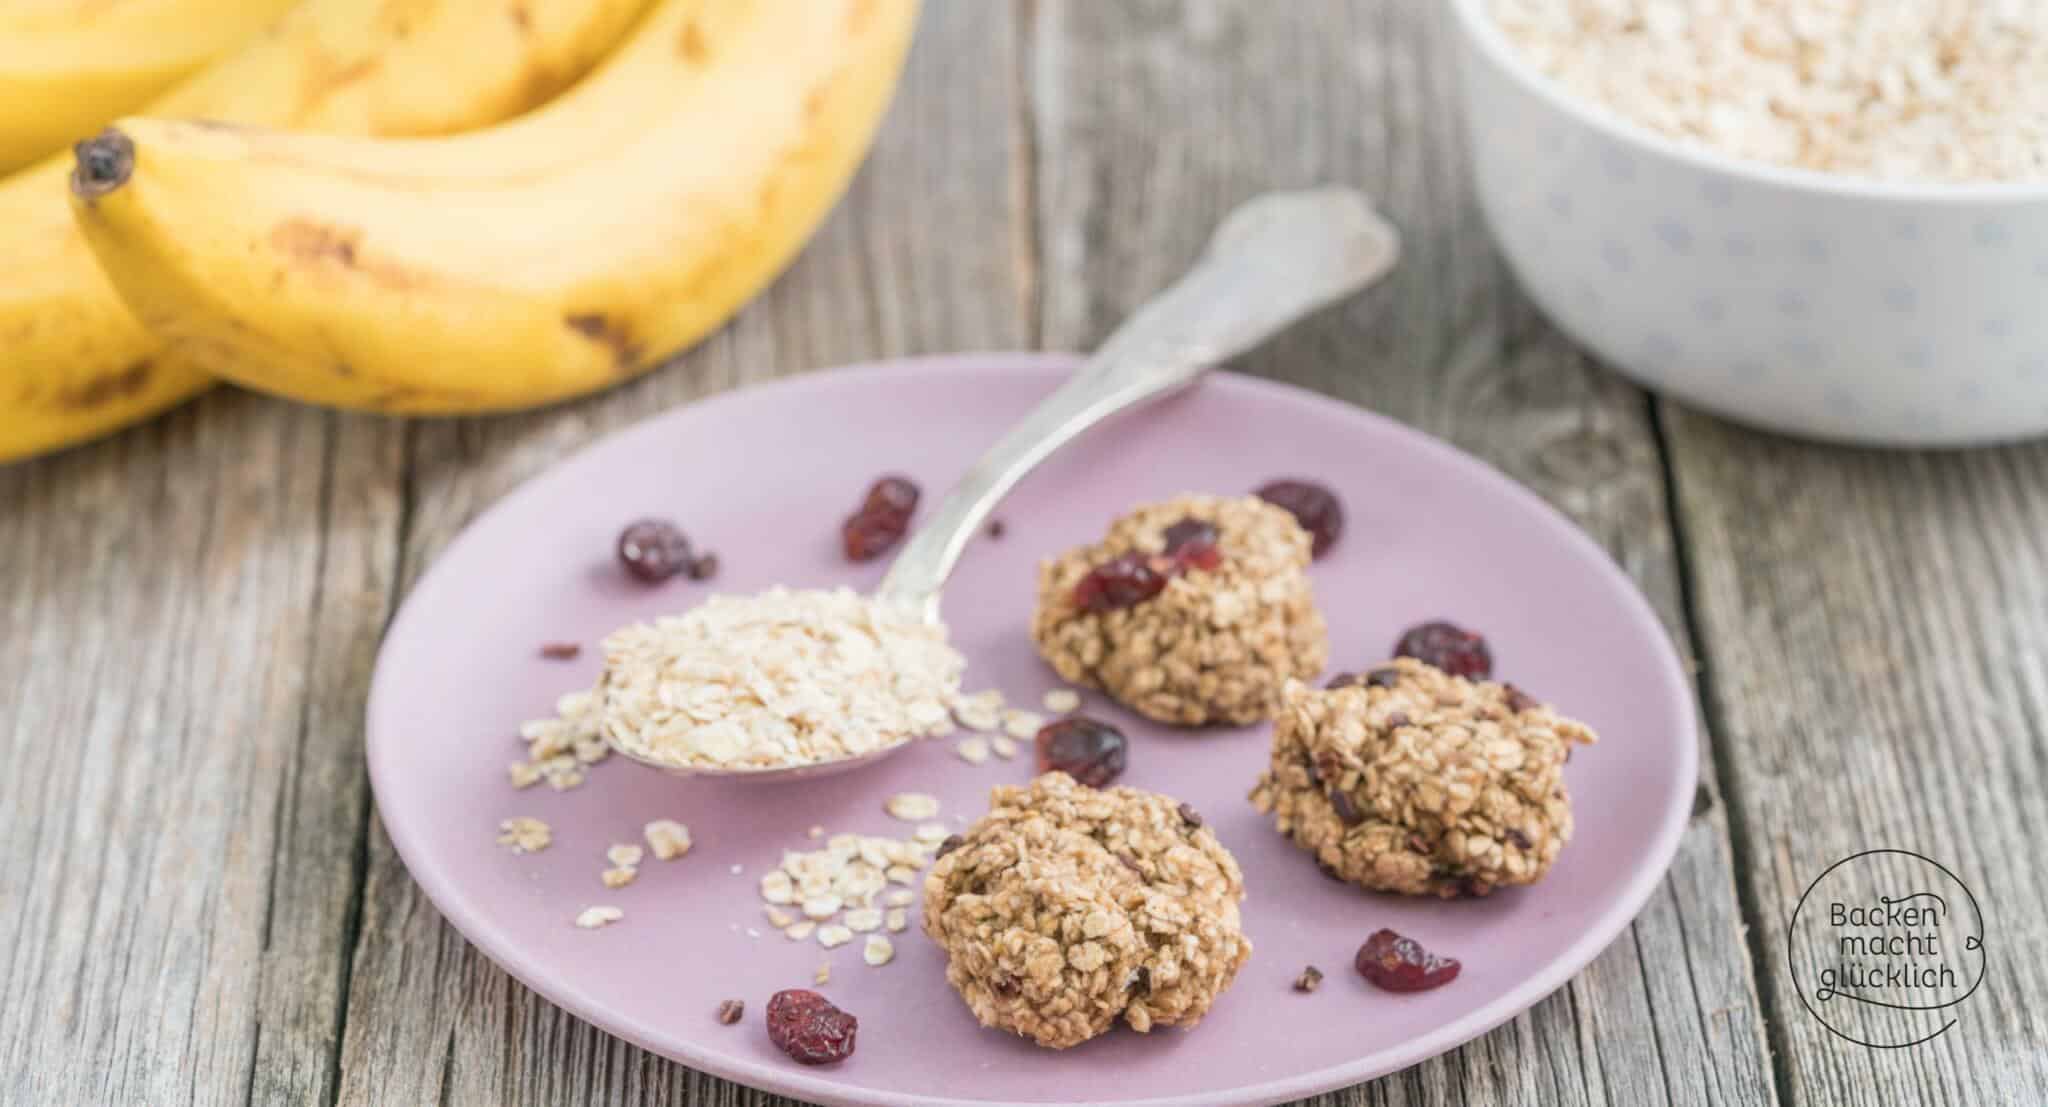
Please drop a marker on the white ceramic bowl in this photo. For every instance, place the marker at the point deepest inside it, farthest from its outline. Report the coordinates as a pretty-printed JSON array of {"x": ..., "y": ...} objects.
[{"x": 1812, "y": 304}]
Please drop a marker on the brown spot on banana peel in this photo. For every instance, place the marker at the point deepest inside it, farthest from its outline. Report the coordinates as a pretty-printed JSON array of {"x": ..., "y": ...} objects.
[
  {"x": 522, "y": 19},
  {"x": 104, "y": 163},
  {"x": 609, "y": 333},
  {"x": 99, "y": 391},
  {"x": 692, "y": 46},
  {"x": 313, "y": 246}
]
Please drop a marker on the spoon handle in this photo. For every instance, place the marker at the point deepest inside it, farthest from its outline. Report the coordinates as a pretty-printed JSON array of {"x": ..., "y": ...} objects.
[{"x": 1276, "y": 258}]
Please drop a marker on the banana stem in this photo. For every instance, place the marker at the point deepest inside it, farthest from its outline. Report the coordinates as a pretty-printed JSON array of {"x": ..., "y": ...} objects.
[{"x": 105, "y": 162}]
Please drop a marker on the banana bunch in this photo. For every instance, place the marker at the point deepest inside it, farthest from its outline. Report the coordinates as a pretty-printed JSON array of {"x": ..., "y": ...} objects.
[
  {"x": 74, "y": 361},
  {"x": 508, "y": 267},
  {"x": 515, "y": 266}
]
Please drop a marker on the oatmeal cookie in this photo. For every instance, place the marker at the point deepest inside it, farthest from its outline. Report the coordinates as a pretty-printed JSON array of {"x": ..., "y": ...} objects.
[
  {"x": 1215, "y": 645},
  {"x": 1415, "y": 781},
  {"x": 1066, "y": 907}
]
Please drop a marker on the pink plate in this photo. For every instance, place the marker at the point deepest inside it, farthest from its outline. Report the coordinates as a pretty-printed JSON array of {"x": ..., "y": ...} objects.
[{"x": 764, "y": 477}]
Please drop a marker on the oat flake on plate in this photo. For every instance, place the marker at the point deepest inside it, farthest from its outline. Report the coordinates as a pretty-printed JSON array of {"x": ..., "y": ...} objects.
[
  {"x": 1912, "y": 90},
  {"x": 781, "y": 679}
]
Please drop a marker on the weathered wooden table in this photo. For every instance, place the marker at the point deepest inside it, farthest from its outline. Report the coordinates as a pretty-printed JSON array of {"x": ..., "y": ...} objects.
[{"x": 197, "y": 902}]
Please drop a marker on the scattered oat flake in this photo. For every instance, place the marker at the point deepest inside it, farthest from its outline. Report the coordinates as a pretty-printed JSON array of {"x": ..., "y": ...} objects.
[
  {"x": 1061, "y": 701},
  {"x": 525, "y": 834},
  {"x": 668, "y": 838},
  {"x": 878, "y": 950},
  {"x": 590, "y": 751},
  {"x": 931, "y": 832},
  {"x": 594, "y": 917},
  {"x": 562, "y": 782},
  {"x": 900, "y": 897},
  {"x": 822, "y": 907},
  {"x": 824, "y": 973},
  {"x": 776, "y": 887},
  {"x": 897, "y": 919},
  {"x": 800, "y": 931},
  {"x": 624, "y": 854},
  {"x": 524, "y": 774},
  {"x": 911, "y": 807},
  {"x": 778, "y": 918},
  {"x": 901, "y": 874},
  {"x": 1004, "y": 746},
  {"x": 860, "y": 920},
  {"x": 974, "y": 751},
  {"x": 620, "y": 876},
  {"x": 832, "y": 937},
  {"x": 1022, "y": 724}
]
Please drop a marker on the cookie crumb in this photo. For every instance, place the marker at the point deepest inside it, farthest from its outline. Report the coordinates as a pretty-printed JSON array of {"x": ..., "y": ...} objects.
[
  {"x": 668, "y": 838},
  {"x": 1061, "y": 701},
  {"x": 1310, "y": 979},
  {"x": 974, "y": 751},
  {"x": 561, "y": 651},
  {"x": 703, "y": 567},
  {"x": 911, "y": 807},
  {"x": 592, "y": 918},
  {"x": 878, "y": 950},
  {"x": 525, "y": 834},
  {"x": 731, "y": 1011}
]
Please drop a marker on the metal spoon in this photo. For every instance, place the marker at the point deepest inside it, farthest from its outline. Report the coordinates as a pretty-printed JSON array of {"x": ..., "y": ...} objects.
[{"x": 1273, "y": 260}]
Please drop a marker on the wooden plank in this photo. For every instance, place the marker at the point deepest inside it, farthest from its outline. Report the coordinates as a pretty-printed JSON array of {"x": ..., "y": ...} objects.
[
  {"x": 184, "y": 660},
  {"x": 1152, "y": 120},
  {"x": 921, "y": 257},
  {"x": 1874, "y": 627}
]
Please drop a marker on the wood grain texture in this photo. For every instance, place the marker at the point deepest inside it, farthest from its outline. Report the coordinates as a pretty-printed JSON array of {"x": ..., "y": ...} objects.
[
  {"x": 917, "y": 259},
  {"x": 1875, "y": 628},
  {"x": 1152, "y": 121},
  {"x": 190, "y": 609}
]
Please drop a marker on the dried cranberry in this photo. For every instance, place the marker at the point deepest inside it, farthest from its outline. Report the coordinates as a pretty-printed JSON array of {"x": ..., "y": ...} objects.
[
  {"x": 1401, "y": 964},
  {"x": 952, "y": 842},
  {"x": 560, "y": 651},
  {"x": 1385, "y": 676},
  {"x": 653, "y": 550},
  {"x": 1189, "y": 816},
  {"x": 1313, "y": 506},
  {"x": 868, "y": 535},
  {"x": 1519, "y": 700},
  {"x": 891, "y": 496},
  {"x": 809, "y": 1028},
  {"x": 1340, "y": 802},
  {"x": 1188, "y": 531},
  {"x": 1449, "y": 647},
  {"x": 883, "y": 519},
  {"x": 1086, "y": 749},
  {"x": 704, "y": 567},
  {"x": 1121, "y": 582},
  {"x": 1198, "y": 555},
  {"x": 1341, "y": 680}
]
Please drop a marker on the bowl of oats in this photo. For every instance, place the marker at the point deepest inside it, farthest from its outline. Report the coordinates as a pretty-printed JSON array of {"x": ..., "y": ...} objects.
[{"x": 1819, "y": 218}]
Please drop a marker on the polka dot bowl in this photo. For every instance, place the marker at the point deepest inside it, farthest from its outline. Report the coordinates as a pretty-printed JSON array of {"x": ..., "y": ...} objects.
[{"x": 1845, "y": 309}]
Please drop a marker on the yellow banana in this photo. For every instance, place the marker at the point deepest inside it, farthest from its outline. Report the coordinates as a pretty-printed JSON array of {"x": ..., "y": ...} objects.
[
  {"x": 68, "y": 66},
  {"x": 75, "y": 363},
  {"x": 534, "y": 261}
]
